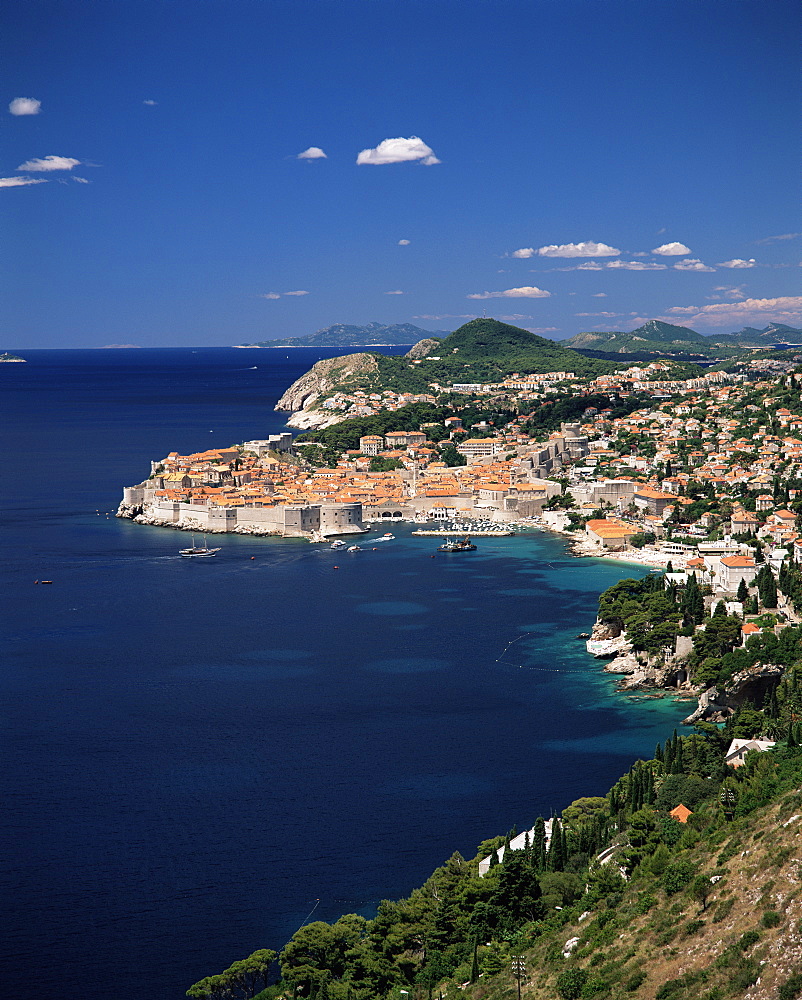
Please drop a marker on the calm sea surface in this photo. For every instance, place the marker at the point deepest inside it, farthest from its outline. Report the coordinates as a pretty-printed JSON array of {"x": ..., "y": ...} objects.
[{"x": 197, "y": 752}]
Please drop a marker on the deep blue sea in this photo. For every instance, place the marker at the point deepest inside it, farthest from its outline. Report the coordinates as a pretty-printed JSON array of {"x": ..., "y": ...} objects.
[{"x": 196, "y": 754}]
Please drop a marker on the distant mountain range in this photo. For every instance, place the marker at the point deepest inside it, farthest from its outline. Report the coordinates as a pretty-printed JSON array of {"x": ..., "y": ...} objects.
[
  {"x": 348, "y": 335},
  {"x": 656, "y": 337}
]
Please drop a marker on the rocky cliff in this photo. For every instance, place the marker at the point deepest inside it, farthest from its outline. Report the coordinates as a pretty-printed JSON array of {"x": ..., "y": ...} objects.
[
  {"x": 423, "y": 348},
  {"x": 323, "y": 378}
]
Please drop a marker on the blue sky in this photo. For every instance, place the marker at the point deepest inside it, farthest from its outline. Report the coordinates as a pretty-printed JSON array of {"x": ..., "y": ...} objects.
[{"x": 565, "y": 165}]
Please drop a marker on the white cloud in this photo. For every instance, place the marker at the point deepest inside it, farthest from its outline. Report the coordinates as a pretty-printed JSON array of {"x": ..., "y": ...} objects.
[
  {"x": 784, "y": 309},
  {"x": 396, "y": 292},
  {"x": 403, "y": 243},
  {"x": 301, "y": 292},
  {"x": 738, "y": 262},
  {"x": 542, "y": 329},
  {"x": 589, "y": 265},
  {"x": 608, "y": 315},
  {"x": 398, "y": 151},
  {"x": 527, "y": 292},
  {"x": 588, "y": 249},
  {"x": 635, "y": 265},
  {"x": 775, "y": 239},
  {"x": 49, "y": 163},
  {"x": 691, "y": 265},
  {"x": 151, "y": 104},
  {"x": 514, "y": 317},
  {"x": 25, "y": 106},
  {"x": 599, "y": 295},
  {"x": 15, "y": 182},
  {"x": 672, "y": 250},
  {"x": 79, "y": 180},
  {"x": 313, "y": 153},
  {"x": 524, "y": 252},
  {"x": 446, "y": 316},
  {"x": 270, "y": 295},
  {"x": 729, "y": 291}
]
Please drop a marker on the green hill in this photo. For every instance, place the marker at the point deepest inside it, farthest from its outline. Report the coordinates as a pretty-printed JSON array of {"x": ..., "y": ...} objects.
[{"x": 487, "y": 350}]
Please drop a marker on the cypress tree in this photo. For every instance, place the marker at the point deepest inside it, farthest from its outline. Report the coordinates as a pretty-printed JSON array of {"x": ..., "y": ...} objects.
[
  {"x": 539, "y": 844},
  {"x": 658, "y": 752},
  {"x": 679, "y": 764},
  {"x": 721, "y": 611},
  {"x": 475, "y": 962},
  {"x": 768, "y": 594},
  {"x": 556, "y": 847},
  {"x": 743, "y": 591},
  {"x": 774, "y": 707}
]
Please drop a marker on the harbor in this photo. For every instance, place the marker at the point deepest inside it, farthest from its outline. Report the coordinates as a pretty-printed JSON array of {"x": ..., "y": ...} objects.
[{"x": 447, "y": 533}]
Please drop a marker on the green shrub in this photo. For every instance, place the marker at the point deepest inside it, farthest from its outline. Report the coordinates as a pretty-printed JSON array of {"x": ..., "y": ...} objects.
[
  {"x": 771, "y": 918},
  {"x": 593, "y": 985},
  {"x": 745, "y": 975},
  {"x": 645, "y": 903},
  {"x": 791, "y": 988},
  {"x": 723, "y": 910},
  {"x": 635, "y": 981},
  {"x": 693, "y": 927},
  {"x": 747, "y": 940},
  {"x": 571, "y": 982},
  {"x": 672, "y": 987},
  {"x": 677, "y": 876}
]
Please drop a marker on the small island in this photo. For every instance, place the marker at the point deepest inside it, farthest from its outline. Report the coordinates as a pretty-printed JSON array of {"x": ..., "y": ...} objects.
[{"x": 7, "y": 358}]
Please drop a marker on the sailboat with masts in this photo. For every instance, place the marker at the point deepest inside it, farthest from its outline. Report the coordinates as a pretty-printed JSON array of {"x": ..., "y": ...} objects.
[{"x": 198, "y": 551}]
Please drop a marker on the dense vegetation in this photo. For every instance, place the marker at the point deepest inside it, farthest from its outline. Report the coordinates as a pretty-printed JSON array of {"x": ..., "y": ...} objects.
[
  {"x": 653, "y": 615},
  {"x": 345, "y": 435},
  {"x": 558, "y": 408}
]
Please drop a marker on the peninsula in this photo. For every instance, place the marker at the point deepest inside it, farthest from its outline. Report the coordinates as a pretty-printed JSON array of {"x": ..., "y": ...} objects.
[{"x": 350, "y": 335}]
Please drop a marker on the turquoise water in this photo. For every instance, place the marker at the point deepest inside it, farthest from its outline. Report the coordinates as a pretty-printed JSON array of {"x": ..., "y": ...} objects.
[{"x": 198, "y": 753}]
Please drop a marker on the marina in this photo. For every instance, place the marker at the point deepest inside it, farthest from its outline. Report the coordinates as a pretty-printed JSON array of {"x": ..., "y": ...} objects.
[{"x": 448, "y": 532}]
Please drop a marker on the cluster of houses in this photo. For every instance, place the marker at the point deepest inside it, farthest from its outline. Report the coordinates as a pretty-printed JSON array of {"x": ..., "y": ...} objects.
[
  {"x": 635, "y": 469},
  {"x": 262, "y": 487}
]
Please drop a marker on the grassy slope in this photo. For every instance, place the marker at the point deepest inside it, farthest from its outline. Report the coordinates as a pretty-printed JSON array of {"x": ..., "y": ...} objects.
[{"x": 684, "y": 951}]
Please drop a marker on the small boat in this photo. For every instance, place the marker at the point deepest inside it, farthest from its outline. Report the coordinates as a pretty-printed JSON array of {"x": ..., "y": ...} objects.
[
  {"x": 385, "y": 538},
  {"x": 354, "y": 548},
  {"x": 198, "y": 551},
  {"x": 462, "y": 545},
  {"x": 338, "y": 544}
]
